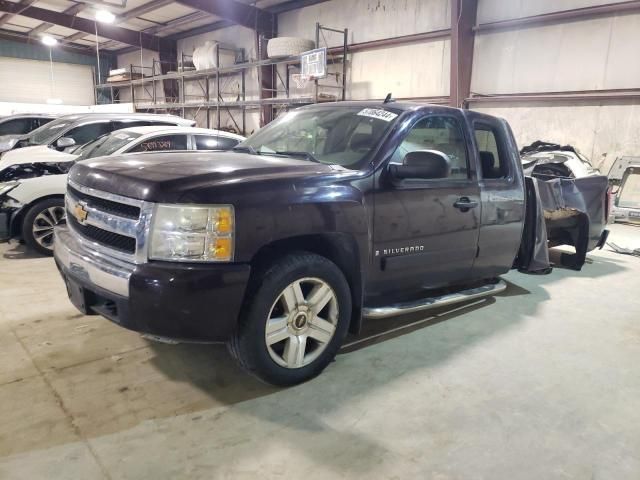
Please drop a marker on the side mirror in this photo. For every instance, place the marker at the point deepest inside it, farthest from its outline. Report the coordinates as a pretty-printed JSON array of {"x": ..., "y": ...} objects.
[
  {"x": 65, "y": 142},
  {"x": 423, "y": 164}
]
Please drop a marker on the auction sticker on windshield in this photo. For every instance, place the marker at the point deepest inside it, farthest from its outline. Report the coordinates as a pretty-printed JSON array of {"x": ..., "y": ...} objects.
[{"x": 377, "y": 113}]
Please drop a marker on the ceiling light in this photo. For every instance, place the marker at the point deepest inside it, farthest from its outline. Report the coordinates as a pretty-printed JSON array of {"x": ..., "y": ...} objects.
[
  {"x": 49, "y": 41},
  {"x": 105, "y": 16}
]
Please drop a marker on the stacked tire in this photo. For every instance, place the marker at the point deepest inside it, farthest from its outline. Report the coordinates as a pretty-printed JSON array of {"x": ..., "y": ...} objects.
[{"x": 288, "y": 46}]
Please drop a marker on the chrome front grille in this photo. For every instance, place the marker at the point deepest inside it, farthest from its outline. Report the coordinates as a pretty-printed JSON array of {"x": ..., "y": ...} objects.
[
  {"x": 108, "y": 206},
  {"x": 111, "y": 224}
]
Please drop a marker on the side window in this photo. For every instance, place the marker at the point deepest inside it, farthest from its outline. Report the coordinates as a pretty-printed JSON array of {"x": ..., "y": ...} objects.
[
  {"x": 158, "y": 144},
  {"x": 439, "y": 133},
  {"x": 362, "y": 138},
  {"x": 206, "y": 142},
  {"x": 86, "y": 133},
  {"x": 38, "y": 122},
  {"x": 493, "y": 164},
  {"x": 18, "y": 125}
]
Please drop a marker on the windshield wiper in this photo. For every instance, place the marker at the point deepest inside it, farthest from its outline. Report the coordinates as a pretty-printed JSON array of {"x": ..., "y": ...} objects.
[
  {"x": 245, "y": 149},
  {"x": 306, "y": 155}
]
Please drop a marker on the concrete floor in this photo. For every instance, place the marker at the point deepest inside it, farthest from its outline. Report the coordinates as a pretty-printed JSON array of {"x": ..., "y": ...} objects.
[{"x": 542, "y": 382}]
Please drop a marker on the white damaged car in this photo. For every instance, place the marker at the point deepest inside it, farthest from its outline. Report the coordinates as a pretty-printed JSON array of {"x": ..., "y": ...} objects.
[{"x": 32, "y": 201}]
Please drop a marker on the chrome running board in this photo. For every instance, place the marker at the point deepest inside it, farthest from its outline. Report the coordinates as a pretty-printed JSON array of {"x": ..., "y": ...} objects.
[{"x": 434, "y": 302}]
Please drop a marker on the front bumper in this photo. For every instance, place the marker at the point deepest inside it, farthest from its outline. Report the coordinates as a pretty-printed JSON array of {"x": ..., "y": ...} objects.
[
  {"x": 191, "y": 302},
  {"x": 5, "y": 222},
  {"x": 7, "y": 214},
  {"x": 10, "y": 209}
]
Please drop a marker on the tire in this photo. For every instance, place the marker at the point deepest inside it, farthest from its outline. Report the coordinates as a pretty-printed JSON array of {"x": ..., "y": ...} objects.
[
  {"x": 276, "y": 357},
  {"x": 288, "y": 46},
  {"x": 38, "y": 223}
]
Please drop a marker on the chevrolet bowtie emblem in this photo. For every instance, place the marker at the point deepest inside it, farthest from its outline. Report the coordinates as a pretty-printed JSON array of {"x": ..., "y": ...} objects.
[{"x": 80, "y": 213}]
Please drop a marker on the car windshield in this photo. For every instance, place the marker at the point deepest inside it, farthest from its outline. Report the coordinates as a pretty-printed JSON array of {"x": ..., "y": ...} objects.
[
  {"x": 338, "y": 135},
  {"x": 106, "y": 144},
  {"x": 48, "y": 132}
]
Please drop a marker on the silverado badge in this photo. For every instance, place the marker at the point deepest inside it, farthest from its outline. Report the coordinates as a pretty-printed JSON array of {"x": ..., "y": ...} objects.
[{"x": 80, "y": 213}]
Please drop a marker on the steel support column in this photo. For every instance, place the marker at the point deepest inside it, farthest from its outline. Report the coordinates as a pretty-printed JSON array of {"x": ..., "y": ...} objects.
[
  {"x": 463, "y": 19},
  {"x": 168, "y": 60},
  {"x": 267, "y": 73}
]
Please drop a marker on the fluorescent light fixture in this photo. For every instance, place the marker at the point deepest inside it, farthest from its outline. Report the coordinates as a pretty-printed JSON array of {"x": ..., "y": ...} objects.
[
  {"x": 105, "y": 16},
  {"x": 49, "y": 41}
]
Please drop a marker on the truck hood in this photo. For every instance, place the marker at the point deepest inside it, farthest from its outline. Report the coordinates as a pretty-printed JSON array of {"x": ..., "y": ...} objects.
[
  {"x": 184, "y": 176},
  {"x": 35, "y": 154}
]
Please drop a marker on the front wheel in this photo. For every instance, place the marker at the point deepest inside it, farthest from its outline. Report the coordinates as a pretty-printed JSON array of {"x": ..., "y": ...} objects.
[
  {"x": 295, "y": 321},
  {"x": 39, "y": 222}
]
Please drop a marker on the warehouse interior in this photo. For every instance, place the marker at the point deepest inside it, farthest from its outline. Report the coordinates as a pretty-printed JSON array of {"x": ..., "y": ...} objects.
[{"x": 535, "y": 379}]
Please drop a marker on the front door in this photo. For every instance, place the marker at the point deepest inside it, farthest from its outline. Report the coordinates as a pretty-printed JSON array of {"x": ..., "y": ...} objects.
[{"x": 426, "y": 230}]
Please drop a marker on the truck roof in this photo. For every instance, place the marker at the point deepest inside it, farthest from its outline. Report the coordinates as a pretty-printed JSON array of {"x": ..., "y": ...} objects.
[{"x": 402, "y": 106}]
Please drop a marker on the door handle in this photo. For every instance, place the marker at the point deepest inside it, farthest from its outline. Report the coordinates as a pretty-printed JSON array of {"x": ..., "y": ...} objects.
[{"x": 464, "y": 204}]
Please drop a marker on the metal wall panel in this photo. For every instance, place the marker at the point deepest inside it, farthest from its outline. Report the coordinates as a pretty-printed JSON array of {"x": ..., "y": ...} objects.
[
  {"x": 581, "y": 55},
  {"x": 602, "y": 131},
  {"x": 29, "y": 81}
]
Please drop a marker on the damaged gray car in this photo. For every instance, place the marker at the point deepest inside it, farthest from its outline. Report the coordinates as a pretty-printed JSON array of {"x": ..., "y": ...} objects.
[{"x": 569, "y": 205}]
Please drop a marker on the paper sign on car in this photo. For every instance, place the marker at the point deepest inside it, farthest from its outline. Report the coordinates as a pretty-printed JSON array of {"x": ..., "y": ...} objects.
[{"x": 377, "y": 113}]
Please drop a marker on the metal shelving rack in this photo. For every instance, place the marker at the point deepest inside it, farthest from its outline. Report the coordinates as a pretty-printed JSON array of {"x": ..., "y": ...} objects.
[{"x": 214, "y": 81}]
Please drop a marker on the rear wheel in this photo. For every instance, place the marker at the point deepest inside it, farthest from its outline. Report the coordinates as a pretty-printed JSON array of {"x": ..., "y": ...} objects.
[
  {"x": 295, "y": 322},
  {"x": 39, "y": 222}
]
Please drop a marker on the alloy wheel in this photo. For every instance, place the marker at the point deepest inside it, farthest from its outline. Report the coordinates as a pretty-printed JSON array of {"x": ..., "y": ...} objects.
[
  {"x": 44, "y": 223},
  {"x": 301, "y": 322}
]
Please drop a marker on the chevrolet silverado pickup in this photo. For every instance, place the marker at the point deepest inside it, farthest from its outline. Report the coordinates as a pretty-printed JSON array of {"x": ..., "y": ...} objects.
[{"x": 329, "y": 215}]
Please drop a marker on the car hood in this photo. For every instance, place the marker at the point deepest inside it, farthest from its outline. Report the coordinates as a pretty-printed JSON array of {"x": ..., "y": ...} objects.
[
  {"x": 190, "y": 176},
  {"x": 35, "y": 154}
]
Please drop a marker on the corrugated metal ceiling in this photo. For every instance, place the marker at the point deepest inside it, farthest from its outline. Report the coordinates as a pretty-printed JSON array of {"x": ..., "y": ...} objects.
[{"x": 166, "y": 20}]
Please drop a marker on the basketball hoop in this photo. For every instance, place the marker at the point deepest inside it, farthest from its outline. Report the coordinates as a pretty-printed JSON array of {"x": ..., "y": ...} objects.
[
  {"x": 300, "y": 80},
  {"x": 314, "y": 63}
]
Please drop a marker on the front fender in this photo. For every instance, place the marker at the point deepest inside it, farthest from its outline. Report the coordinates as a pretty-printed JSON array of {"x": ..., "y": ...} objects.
[
  {"x": 33, "y": 189},
  {"x": 27, "y": 193},
  {"x": 336, "y": 209}
]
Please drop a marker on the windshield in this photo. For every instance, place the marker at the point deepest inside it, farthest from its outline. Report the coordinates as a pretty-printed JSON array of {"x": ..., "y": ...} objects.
[
  {"x": 46, "y": 133},
  {"x": 340, "y": 135},
  {"x": 106, "y": 144}
]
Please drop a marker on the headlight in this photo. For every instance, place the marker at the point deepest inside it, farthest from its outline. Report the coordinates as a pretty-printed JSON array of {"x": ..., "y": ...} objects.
[
  {"x": 193, "y": 233},
  {"x": 6, "y": 187}
]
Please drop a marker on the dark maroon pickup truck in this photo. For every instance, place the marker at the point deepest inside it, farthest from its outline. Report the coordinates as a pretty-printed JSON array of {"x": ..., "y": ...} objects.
[{"x": 328, "y": 215}]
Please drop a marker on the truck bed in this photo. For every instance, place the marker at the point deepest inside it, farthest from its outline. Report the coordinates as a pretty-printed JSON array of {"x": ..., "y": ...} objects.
[{"x": 563, "y": 211}]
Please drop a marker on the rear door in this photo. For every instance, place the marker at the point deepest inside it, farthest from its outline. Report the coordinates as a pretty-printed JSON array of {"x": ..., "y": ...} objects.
[
  {"x": 425, "y": 230},
  {"x": 502, "y": 195}
]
